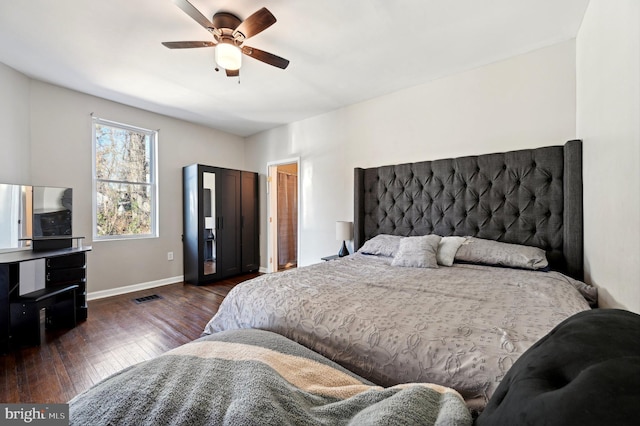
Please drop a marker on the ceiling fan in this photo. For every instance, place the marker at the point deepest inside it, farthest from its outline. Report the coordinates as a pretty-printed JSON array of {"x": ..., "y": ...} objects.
[{"x": 229, "y": 34}]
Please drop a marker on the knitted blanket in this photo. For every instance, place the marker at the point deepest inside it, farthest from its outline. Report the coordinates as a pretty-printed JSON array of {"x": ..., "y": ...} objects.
[{"x": 254, "y": 377}]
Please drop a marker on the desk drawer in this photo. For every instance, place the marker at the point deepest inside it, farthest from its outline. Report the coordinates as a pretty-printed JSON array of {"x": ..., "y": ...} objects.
[
  {"x": 62, "y": 262},
  {"x": 61, "y": 276}
]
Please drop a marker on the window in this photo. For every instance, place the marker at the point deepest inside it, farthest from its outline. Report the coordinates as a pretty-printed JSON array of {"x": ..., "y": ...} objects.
[{"x": 124, "y": 181}]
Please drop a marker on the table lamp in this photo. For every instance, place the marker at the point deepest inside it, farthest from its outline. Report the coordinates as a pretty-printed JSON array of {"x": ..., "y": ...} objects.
[{"x": 344, "y": 231}]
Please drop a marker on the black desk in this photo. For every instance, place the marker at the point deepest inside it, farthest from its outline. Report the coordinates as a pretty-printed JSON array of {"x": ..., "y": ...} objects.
[{"x": 65, "y": 273}]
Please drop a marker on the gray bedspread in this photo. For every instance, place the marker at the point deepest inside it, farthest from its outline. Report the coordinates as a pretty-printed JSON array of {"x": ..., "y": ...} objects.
[
  {"x": 254, "y": 377},
  {"x": 461, "y": 327}
]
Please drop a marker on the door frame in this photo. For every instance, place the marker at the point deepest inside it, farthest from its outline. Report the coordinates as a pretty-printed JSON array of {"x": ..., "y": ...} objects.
[{"x": 272, "y": 211}]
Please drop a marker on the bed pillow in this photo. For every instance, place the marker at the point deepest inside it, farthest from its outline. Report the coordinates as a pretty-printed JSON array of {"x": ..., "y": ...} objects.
[
  {"x": 417, "y": 252},
  {"x": 489, "y": 252},
  {"x": 382, "y": 245},
  {"x": 447, "y": 249}
]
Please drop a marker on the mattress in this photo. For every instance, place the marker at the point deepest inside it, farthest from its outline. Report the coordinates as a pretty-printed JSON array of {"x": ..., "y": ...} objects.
[{"x": 462, "y": 326}]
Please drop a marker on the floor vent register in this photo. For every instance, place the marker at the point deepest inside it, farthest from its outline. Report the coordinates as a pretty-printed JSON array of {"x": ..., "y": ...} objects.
[{"x": 144, "y": 299}]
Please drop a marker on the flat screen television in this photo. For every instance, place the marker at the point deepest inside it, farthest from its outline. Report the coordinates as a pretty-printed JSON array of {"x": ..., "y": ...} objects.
[{"x": 32, "y": 213}]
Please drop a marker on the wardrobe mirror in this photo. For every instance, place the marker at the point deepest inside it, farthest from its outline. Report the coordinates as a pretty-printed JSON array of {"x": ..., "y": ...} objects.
[{"x": 209, "y": 226}]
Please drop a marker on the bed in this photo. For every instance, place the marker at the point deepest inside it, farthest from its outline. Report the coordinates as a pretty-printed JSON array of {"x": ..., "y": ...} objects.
[
  {"x": 460, "y": 326},
  {"x": 462, "y": 265}
]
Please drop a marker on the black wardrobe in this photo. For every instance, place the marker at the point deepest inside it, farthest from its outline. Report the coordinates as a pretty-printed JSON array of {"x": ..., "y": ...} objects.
[{"x": 220, "y": 229}]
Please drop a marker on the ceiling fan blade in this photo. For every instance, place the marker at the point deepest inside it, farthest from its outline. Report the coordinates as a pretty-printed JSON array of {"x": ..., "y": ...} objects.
[
  {"x": 256, "y": 23},
  {"x": 233, "y": 73},
  {"x": 266, "y": 57},
  {"x": 187, "y": 44},
  {"x": 195, "y": 14}
]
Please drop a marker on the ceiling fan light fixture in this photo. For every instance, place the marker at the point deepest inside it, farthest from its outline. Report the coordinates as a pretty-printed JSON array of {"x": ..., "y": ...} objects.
[
  {"x": 228, "y": 56},
  {"x": 229, "y": 34}
]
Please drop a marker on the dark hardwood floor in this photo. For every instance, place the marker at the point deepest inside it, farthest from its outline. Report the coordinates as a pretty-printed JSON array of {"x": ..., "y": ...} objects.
[{"x": 118, "y": 333}]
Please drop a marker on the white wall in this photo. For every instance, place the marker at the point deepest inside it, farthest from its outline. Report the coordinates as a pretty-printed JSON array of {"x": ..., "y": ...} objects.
[
  {"x": 608, "y": 119},
  {"x": 61, "y": 142},
  {"x": 523, "y": 102},
  {"x": 15, "y": 165}
]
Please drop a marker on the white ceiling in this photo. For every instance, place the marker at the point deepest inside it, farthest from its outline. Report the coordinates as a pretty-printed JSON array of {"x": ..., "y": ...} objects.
[{"x": 341, "y": 52}]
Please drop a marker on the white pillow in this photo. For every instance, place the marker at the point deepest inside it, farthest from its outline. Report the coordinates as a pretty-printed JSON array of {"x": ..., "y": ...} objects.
[
  {"x": 417, "y": 252},
  {"x": 447, "y": 249}
]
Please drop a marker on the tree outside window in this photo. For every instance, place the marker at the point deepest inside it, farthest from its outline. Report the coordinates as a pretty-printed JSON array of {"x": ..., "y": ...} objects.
[{"x": 124, "y": 181}]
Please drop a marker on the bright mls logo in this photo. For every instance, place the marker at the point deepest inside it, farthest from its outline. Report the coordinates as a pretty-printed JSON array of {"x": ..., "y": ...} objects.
[{"x": 35, "y": 414}]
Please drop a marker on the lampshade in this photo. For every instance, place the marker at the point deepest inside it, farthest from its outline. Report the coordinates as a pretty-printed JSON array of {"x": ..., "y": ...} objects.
[
  {"x": 228, "y": 56},
  {"x": 208, "y": 223},
  {"x": 344, "y": 231}
]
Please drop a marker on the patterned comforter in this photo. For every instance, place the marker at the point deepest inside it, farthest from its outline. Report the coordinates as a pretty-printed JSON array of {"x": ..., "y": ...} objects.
[
  {"x": 461, "y": 326},
  {"x": 253, "y": 377}
]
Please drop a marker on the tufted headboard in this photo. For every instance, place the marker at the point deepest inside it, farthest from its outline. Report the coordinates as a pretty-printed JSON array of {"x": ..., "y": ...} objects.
[{"x": 531, "y": 197}]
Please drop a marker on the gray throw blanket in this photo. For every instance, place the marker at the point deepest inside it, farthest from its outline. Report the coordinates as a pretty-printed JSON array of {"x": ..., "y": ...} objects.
[{"x": 254, "y": 377}]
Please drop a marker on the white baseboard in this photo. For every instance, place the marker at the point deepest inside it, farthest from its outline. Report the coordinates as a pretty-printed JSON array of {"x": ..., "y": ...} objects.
[
  {"x": 263, "y": 270},
  {"x": 93, "y": 295}
]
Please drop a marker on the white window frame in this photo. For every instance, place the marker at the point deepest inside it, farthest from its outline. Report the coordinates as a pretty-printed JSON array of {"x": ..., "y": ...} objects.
[{"x": 153, "y": 181}]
